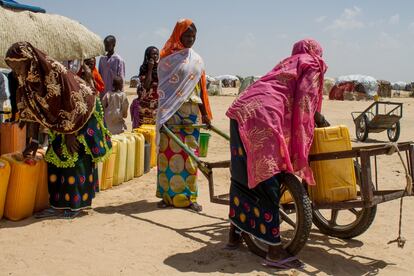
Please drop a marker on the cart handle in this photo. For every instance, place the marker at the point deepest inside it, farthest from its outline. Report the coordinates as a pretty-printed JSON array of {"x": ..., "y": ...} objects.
[
  {"x": 204, "y": 126},
  {"x": 203, "y": 166}
]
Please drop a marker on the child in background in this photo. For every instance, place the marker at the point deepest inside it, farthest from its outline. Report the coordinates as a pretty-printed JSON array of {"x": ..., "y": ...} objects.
[
  {"x": 115, "y": 104},
  {"x": 134, "y": 109}
]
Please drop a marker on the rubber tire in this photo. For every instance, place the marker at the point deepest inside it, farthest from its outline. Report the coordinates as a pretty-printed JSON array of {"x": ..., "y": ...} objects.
[
  {"x": 365, "y": 135},
  {"x": 304, "y": 224},
  {"x": 397, "y": 133},
  {"x": 365, "y": 222}
]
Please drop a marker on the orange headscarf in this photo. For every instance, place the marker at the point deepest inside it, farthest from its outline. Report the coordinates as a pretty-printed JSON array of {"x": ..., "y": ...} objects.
[
  {"x": 99, "y": 83},
  {"x": 173, "y": 45},
  {"x": 97, "y": 79}
]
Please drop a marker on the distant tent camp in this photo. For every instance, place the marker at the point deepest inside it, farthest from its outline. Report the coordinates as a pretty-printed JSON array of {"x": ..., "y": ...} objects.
[
  {"x": 247, "y": 81},
  {"x": 366, "y": 86},
  {"x": 399, "y": 85},
  {"x": 228, "y": 80}
]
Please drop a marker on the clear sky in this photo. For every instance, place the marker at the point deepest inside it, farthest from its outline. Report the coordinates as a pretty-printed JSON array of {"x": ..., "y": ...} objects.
[{"x": 248, "y": 37}]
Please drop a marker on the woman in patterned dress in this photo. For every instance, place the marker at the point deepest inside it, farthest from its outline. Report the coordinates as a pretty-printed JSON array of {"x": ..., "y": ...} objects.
[
  {"x": 53, "y": 97},
  {"x": 147, "y": 100},
  {"x": 182, "y": 96},
  {"x": 271, "y": 132}
]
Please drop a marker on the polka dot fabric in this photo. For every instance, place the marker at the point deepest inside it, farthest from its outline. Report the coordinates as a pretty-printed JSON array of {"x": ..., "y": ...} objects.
[
  {"x": 177, "y": 172},
  {"x": 254, "y": 211},
  {"x": 73, "y": 188}
]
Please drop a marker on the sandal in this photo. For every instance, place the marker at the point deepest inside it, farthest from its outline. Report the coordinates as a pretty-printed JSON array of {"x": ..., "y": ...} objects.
[
  {"x": 161, "y": 204},
  {"x": 47, "y": 213},
  {"x": 68, "y": 214},
  {"x": 195, "y": 207},
  {"x": 284, "y": 264}
]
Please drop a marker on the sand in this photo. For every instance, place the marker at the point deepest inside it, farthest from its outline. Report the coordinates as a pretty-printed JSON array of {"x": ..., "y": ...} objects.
[{"x": 125, "y": 233}]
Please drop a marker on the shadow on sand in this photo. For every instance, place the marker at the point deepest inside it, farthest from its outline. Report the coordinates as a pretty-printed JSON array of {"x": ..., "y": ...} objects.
[{"x": 322, "y": 254}]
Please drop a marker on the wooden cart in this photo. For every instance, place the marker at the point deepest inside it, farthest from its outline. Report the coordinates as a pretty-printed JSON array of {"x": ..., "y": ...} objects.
[
  {"x": 379, "y": 117},
  {"x": 298, "y": 214}
]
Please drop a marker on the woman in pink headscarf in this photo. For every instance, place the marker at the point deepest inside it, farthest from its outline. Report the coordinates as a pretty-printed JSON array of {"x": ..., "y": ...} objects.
[{"x": 271, "y": 131}]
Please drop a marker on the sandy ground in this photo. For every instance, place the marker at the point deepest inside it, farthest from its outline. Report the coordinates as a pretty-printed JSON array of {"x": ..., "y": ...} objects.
[{"x": 125, "y": 234}]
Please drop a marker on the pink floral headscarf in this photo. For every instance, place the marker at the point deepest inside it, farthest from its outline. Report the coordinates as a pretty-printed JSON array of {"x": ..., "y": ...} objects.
[{"x": 275, "y": 115}]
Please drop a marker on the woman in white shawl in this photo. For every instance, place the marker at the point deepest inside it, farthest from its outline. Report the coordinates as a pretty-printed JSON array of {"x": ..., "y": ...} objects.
[{"x": 182, "y": 97}]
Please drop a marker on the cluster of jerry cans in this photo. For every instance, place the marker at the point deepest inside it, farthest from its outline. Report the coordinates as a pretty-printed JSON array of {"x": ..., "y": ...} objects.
[
  {"x": 133, "y": 154},
  {"x": 24, "y": 186}
]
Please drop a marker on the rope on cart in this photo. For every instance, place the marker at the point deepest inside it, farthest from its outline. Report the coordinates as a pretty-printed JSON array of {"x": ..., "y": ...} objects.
[{"x": 408, "y": 191}]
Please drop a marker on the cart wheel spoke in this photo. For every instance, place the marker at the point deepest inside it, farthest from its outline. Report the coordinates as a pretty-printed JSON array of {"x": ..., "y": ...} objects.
[
  {"x": 286, "y": 218},
  {"x": 282, "y": 190},
  {"x": 334, "y": 216},
  {"x": 354, "y": 211}
]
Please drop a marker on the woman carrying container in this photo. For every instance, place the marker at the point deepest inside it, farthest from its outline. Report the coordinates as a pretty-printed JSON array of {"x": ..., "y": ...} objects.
[
  {"x": 182, "y": 96},
  {"x": 55, "y": 98},
  {"x": 271, "y": 132}
]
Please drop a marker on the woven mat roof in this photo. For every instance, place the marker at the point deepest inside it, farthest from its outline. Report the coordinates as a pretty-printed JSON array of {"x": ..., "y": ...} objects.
[{"x": 58, "y": 36}]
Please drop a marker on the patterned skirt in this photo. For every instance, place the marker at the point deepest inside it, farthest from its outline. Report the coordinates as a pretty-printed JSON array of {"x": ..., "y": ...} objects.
[
  {"x": 73, "y": 188},
  {"x": 73, "y": 179},
  {"x": 254, "y": 211},
  {"x": 177, "y": 172}
]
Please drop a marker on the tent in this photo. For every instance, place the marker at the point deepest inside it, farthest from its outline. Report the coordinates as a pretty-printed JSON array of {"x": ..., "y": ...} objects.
[
  {"x": 247, "y": 81},
  {"x": 368, "y": 84},
  {"x": 399, "y": 85},
  {"x": 226, "y": 77},
  {"x": 134, "y": 82},
  {"x": 338, "y": 91},
  {"x": 228, "y": 80},
  {"x": 58, "y": 36},
  {"x": 384, "y": 89},
  {"x": 328, "y": 83},
  {"x": 210, "y": 78}
]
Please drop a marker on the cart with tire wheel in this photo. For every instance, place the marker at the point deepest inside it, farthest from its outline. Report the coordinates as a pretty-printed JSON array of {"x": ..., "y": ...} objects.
[
  {"x": 379, "y": 117},
  {"x": 298, "y": 214}
]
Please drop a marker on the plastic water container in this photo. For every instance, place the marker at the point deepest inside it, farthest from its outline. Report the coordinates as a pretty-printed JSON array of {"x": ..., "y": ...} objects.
[
  {"x": 4, "y": 182},
  {"x": 121, "y": 159},
  {"x": 108, "y": 168},
  {"x": 335, "y": 179},
  {"x": 21, "y": 192},
  {"x": 149, "y": 133},
  {"x": 286, "y": 198},
  {"x": 12, "y": 138},
  {"x": 139, "y": 152},
  {"x": 147, "y": 158},
  {"x": 42, "y": 191},
  {"x": 204, "y": 138},
  {"x": 130, "y": 165},
  {"x": 100, "y": 169}
]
